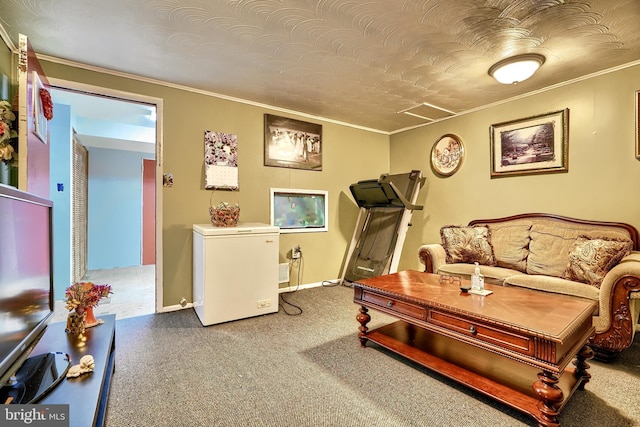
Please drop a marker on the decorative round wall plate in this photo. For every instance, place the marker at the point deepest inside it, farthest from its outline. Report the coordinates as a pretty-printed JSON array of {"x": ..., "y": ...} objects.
[{"x": 447, "y": 154}]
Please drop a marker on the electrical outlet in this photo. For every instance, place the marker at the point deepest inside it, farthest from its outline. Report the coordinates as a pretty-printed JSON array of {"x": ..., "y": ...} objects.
[
  {"x": 296, "y": 251},
  {"x": 263, "y": 303}
]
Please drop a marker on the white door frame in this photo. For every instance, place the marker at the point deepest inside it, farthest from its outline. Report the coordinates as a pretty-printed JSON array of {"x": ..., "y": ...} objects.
[{"x": 158, "y": 102}]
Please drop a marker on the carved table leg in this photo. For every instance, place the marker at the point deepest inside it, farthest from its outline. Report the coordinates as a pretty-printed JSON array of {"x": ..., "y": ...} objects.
[
  {"x": 581, "y": 365},
  {"x": 363, "y": 318},
  {"x": 550, "y": 397}
]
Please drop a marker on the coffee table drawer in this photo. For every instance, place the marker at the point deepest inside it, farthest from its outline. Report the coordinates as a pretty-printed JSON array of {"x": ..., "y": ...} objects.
[
  {"x": 397, "y": 306},
  {"x": 490, "y": 334}
]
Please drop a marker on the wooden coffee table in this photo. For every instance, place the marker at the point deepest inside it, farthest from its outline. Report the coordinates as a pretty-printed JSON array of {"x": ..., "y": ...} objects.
[{"x": 514, "y": 345}]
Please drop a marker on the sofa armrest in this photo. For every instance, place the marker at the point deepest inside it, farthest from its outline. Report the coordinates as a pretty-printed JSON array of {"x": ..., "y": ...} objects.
[
  {"x": 432, "y": 256},
  {"x": 634, "y": 256},
  {"x": 615, "y": 293},
  {"x": 629, "y": 266}
]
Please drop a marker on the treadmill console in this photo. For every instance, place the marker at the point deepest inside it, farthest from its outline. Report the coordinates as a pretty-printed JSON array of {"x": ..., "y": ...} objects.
[{"x": 383, "y": 192}]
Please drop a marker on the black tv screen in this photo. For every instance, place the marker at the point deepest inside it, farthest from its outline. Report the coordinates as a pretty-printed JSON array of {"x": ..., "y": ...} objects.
[{"x": 26, "y": 284}]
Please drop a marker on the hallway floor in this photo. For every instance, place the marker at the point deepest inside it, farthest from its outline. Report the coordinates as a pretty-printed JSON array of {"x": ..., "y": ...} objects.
[{"x": 133, "y": 294}]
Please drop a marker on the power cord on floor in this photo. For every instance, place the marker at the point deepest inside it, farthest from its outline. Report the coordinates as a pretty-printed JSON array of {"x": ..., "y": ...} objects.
[
  {"x": 329, "y": 283},
  {"x": 347, "y": 284},
  {"x": 325, "y": 283},
  {"x": 300, "y": 263},
  {"x": 334, "y": 283},
  {"x": 284, "y": 308}
]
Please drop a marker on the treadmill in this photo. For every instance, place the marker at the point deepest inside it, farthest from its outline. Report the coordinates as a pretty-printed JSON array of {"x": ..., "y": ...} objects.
[{"x": 386, "y": 206}]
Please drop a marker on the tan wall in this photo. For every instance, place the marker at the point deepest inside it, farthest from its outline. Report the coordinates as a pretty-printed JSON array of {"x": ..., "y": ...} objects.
[
  {"x": 349, "y": 155},
  {"x": 7, "y": 74},
  {"x": 600, "y": 184}
]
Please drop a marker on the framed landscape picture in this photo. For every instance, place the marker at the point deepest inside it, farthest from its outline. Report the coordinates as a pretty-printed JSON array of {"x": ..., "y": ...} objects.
[
  {"x": 533, "y": 145},
  {"x": 290, "y": 143},
  {"x": 637, "y": 99}
]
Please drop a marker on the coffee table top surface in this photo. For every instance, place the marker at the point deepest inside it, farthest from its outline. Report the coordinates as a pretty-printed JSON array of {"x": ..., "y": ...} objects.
[{"x": 546, "y": 313}]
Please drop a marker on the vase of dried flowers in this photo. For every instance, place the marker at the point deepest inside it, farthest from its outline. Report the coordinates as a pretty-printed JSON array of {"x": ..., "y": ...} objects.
[
  {"x": 90, "y": 319},
  {"x": 82, "y": 297},
  {"x": 76, "y": 323}
]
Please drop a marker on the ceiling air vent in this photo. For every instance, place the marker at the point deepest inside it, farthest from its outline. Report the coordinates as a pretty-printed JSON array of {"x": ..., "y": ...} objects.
[{"x": 428, "y": 112}]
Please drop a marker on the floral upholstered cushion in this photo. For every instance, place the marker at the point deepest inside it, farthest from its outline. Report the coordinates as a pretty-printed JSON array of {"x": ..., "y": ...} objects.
[
  {"x": 590, "y": 259},
  {"x": 467, "y": 245}
]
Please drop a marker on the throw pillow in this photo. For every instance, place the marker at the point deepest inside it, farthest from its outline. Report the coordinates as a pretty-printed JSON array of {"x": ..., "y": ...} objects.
[
  {"x": 510, "y": 241},
  {"x": 590, "y": 258},
  {"x": 467, "y": 245}
]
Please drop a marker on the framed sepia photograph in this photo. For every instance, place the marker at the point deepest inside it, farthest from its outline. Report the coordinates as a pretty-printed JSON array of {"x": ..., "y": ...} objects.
[
  {"x": 637, "y": 124},
  {"x": 290, "y": 143},
  {"x": 533, "y": 145},
  {"x": 447, "y": 154}
]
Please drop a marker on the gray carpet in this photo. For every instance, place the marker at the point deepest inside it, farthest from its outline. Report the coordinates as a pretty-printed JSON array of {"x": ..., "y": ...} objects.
[{"x": 309, "y": 370}]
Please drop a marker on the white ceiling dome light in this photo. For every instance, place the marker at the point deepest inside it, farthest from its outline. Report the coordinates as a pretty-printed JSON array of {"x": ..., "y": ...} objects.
[{"x": 517, "y": 68}]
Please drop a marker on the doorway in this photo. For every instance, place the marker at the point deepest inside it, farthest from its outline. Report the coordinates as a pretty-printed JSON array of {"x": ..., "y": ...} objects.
[{"x": 121, "y": 134}]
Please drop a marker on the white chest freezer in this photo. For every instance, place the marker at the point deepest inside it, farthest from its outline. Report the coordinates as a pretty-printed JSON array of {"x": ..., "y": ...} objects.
[{"x": 235, "y": 271}]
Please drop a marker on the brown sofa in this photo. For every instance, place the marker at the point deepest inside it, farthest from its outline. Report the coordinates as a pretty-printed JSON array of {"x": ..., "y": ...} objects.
[{"x": 588, "y": 259}]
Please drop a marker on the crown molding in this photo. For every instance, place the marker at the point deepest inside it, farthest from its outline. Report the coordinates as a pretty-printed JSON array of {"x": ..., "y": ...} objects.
[
  {"x": 102, "y": 70},
  {"x": 525, "y": 95},
  {"x": 7, "y": 40}
]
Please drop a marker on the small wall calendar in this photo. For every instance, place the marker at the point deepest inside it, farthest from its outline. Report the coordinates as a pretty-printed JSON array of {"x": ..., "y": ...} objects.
[{"x": 221, "y": 160}]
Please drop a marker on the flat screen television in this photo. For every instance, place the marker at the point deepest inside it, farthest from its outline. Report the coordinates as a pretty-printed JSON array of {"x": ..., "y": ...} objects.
[
  {"x": 26, "y": 293},
  {"x": 299, "y": 211}
]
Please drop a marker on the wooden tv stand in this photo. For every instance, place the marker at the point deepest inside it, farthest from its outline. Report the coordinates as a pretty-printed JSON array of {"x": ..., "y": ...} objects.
[
  {"x": 87, "y": 394},
  {"x": 514, "y": 345}
]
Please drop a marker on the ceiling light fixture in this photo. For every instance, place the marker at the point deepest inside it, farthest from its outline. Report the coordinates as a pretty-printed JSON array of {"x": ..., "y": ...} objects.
[{"x": 517, "y": 68}]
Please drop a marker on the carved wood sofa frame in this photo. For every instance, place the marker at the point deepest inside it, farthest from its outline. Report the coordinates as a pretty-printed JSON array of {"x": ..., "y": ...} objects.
[{"x": 619, "y": 336}]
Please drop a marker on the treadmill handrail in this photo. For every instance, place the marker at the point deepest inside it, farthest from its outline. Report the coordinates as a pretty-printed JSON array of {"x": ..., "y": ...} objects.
[{"x": 404, "y": 201}]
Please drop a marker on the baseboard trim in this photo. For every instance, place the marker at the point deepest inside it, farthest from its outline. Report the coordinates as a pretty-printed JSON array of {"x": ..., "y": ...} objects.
[
  {"x": 308, "y": 286},
  {"x": 177, "y": 307}
]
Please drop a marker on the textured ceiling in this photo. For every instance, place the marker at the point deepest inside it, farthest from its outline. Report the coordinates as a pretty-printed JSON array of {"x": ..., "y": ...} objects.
[{"x": 360, "y": 62}]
